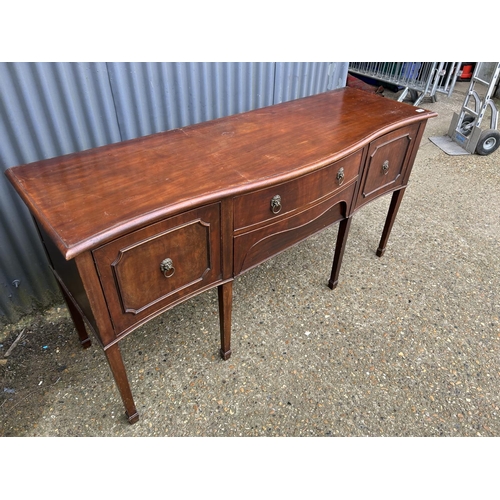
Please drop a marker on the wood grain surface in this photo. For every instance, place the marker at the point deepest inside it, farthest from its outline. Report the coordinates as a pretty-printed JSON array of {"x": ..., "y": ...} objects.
[{"x": 88, "y": 198}]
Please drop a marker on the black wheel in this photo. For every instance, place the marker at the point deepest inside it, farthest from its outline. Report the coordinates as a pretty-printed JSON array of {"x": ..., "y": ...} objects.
[
  {"x": 489, "y": 140},
  {"x": 467, "y": 125},
  {"x": 413, "y": 95}
]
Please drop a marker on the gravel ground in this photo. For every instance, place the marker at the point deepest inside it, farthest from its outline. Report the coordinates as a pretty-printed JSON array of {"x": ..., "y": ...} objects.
[{"x": 407, "y": 345}]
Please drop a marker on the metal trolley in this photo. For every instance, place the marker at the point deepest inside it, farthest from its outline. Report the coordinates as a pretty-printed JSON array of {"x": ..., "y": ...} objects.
[
  {"x": 419, "y": 79},
  {"x": 465, "y": 128},
  {"x": 465, "y": 134}
]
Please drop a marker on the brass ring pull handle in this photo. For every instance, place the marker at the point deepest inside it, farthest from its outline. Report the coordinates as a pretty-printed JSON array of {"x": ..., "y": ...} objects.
[
  {"x": 340, "y": 176},
  {"x": 385, "y": 167},
  {"x": 276, "y": 204},
  {"x": 167, "y": 268}
]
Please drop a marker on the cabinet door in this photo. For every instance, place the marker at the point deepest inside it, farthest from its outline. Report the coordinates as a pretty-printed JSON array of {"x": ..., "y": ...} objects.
[
  {"x": 145, "y": 271},
  {"x": 387, "y": 163}
]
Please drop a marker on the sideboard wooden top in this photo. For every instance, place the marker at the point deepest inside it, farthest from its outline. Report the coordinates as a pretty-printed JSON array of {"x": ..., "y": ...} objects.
[{"x": 88, "y": 198}]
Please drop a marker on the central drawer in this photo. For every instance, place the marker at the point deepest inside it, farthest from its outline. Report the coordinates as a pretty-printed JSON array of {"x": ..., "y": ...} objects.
[
  {"x": 293, "y": 196},
  {"x": 145, "y": 271},
  {"x": 254, "y": 247}
]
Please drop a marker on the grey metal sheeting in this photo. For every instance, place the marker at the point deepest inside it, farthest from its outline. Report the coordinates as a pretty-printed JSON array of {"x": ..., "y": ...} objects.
[{"x": 51, "y": 109}]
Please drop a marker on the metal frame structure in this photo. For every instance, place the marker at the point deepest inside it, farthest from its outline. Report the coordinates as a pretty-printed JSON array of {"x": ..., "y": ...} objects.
[
  {"x": 465, "y": 127},
  {"x": 419, "y": 79}
]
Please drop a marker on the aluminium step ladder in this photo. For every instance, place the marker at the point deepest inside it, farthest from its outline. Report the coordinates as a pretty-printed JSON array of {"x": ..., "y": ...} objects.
[{"x": 465, "y": 135}]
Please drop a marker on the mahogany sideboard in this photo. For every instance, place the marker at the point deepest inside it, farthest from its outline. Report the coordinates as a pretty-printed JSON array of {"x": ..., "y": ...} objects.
[{"x": 131, "y": 229}]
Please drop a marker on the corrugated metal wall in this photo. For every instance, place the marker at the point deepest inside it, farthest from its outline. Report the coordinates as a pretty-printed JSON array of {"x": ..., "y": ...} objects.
[{"x": 50, "y": 109}]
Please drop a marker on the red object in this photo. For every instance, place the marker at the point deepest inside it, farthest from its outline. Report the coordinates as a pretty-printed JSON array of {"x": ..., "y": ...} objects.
[{"x": 467, "y": 70}]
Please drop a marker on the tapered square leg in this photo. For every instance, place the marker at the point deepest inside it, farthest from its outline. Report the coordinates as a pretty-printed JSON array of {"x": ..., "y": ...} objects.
[
  {"x": 339, "y": 251},
  {"x": 115, "y": 361},
  {"x": 77, "y": 320},
  {"x": 397, "y": 196},
  {"x": 225, "y": 293}
]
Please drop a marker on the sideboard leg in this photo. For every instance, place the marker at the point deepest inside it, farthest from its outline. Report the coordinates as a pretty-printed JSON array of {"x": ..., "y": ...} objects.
[
  {"x": 115, "y": 361},
  {"x": 225, "y": 293},
  {"x": 77, "y": 320},
  {"x": 397, "y": 196},
  {"x": 339, "y": 251}
]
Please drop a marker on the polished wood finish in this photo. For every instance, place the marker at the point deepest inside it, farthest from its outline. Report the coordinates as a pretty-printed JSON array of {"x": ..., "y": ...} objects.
[
  {"x": 388, "y": 159},
  {"x": 91, "y": 197},
  {"x": 134, "y": 228},
  {"x": 77, "y": 318},
  {"x": 129, "y": 267},
  {"x": 119, "y": 372},
  {"x": 343, "y": 231},
  {"x": 396, "y": 199},
  {"x": 225, "y": 294},
  {"x": 254, "y": 208},
  {"x": 256, "y": 246}
]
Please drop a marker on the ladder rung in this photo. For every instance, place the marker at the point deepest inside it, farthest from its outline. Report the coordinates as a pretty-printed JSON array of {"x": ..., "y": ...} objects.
[
  {"x": 480, "y": 80},
  {"x": 471, "y": 111}
]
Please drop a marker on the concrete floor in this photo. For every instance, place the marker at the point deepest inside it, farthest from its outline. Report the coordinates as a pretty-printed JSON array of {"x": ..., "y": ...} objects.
[{"x": 407, "y": 345}]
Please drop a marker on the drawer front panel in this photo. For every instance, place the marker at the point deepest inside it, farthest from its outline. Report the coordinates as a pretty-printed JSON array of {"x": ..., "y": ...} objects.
[
  {"x": 145, "y": 271},
  {"x": 254, "y": 247},
  {"x": 295, "y": 195},
  {"x": 386, "y": 162}
]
